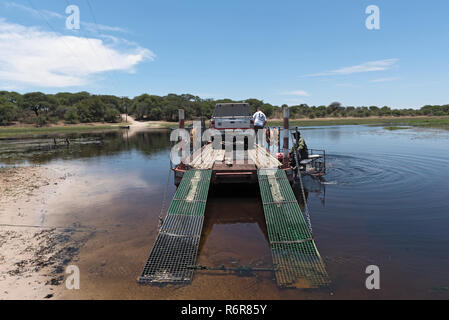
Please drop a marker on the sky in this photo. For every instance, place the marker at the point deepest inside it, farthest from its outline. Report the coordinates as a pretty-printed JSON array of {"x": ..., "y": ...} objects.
[{"x": 282, "y": 52}]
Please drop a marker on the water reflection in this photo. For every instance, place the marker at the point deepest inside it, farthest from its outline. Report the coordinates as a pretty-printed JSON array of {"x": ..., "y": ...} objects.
[
  {"x": 45, "y": 149},
  {"x": 222, "y": 208},
  {"x": 312, "y": 185}
]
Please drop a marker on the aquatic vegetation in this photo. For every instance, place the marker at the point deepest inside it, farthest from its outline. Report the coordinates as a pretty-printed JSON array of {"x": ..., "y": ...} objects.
[
  {"x": 428, "y": 122},
  {"x": 396, "y": 128}
]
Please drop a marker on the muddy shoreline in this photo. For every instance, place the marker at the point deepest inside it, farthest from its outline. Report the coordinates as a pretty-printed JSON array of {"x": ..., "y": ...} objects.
[{"x": 33, "y": 253}]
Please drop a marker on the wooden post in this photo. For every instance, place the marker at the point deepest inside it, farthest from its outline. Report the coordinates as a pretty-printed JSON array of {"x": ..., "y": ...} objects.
[
  {"x": 181, "y": 119},
  {"x": 279, "y": 139},
  {"x": 286, "y": 112},
  {"x": 181, "y": 141}
]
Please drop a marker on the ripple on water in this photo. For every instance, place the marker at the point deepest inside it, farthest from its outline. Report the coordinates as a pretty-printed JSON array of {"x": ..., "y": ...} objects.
[{"x": 389, "y": 177}]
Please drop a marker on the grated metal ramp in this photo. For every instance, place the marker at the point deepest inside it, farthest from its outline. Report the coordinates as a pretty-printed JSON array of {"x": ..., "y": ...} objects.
[
  {"x": 297, "y": 260},
  {"x": 176, "y": 246}
]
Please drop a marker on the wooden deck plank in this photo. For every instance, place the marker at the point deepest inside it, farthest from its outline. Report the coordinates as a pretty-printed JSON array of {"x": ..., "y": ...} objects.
[{"x": 207, "y": 157}]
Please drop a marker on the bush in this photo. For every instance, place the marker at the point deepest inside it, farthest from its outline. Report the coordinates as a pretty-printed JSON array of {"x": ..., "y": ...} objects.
[
  {"x": 71, "y": 116},
  {"x": 41, "y": 120},
  {"x": 112, "y": 115},
  {"x": 83, "y": 112},
  {"x": 155, "y": 114},
  {"x": 8, "y": 113},
  {"x": 61, "y": 111},
  {"x": 53, "y": 120}
]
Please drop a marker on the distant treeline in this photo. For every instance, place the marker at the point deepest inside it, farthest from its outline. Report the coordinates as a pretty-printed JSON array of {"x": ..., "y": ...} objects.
[{"x": 42, "y": 109}]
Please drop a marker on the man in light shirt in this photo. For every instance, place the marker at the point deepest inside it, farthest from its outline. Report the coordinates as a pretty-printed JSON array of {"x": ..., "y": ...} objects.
[{"x": 260, "y": 119}]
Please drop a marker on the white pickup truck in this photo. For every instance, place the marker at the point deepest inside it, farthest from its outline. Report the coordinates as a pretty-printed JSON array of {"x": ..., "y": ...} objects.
[{"x": 231, "y": 118}]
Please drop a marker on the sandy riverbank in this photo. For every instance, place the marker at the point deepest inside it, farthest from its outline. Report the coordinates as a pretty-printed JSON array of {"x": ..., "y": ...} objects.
[{"x": 34, "y": 254}]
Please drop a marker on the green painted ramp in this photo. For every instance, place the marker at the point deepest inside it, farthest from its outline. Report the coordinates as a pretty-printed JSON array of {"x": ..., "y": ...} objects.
[
  {"x": 176, "y": 246},
  {"x": 297, "y": 260}
]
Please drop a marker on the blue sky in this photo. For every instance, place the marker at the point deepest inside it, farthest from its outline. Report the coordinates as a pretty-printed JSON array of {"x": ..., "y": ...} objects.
[{"x": 292, "y": 52}]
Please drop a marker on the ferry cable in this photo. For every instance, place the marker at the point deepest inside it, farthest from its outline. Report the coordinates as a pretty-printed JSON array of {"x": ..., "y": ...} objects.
[
  {"x": 164, "y": 200},
  {"x": 306, "y": 206}
]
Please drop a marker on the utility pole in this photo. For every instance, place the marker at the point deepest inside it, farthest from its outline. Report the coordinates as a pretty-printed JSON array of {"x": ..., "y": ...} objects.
[{"x": 286, "y": 114}]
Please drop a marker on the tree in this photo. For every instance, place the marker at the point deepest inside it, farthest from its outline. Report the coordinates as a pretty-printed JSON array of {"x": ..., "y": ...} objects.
[
  {"x": 112, "y": 115},
  {"x": 70, "y": 99},
  {"x": 8, "y": 113},
  {"x": 39, "y": 102},
  {"x": 333, "y": 108},
  {"x": 13, "y": 97},
  {"x": 97, "y": 108},
  {"x": 385, "y": 111},
  {"x": 41, "y": 120},
  {"x": 255, "y": 104},
  {"x": 39, "y": 108},
  {"x": 155, "y": 114},
  {"x": 71, "y": 115},
  {"x": 268, "y": 109},
  {"x": 83, "y": 112}
]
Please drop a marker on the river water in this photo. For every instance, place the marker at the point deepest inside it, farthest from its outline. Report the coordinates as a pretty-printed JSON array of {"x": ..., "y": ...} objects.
[{"x": 383, "y": 202}]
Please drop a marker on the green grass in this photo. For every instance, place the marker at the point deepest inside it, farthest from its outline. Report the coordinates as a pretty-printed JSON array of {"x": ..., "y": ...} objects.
[
  {"x": 428, "y": 122},
  {"x": 388, "y": 123},
  {"x": 396, "y": 128},
  {"x": 12, "y": 132},
  {"x": 163, "y": 125}
]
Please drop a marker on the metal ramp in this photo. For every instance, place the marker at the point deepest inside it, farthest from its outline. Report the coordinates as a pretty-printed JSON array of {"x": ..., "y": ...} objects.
[
  {"x": 297, "y": 260},
  {"x": 176, "y": 246}
]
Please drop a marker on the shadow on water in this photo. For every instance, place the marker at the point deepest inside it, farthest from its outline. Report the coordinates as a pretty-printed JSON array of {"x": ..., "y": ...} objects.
[
  {"x": 223, "y": 201},
  {"x": 234, "y": 226}
]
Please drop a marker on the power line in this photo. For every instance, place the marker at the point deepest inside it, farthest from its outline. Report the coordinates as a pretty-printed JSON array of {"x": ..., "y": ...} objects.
[
  {"x": 93, "y": 48},
  {"x": 88, "y": 40},
  {"x": 72, "y": 53},
  {"x": 54, "y": 30},
  {"x": 114, "y": 80},
  {"x": 98, "y": 30}
]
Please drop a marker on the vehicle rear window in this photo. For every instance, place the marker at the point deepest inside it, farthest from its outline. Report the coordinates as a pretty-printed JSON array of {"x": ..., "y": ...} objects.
[{"x": 232, "y": 110}]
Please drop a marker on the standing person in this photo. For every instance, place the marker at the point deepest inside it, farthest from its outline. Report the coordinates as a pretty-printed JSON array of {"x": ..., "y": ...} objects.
[
  {"x": 302, "y": 148},
  {"x": 260, "y": 119}
]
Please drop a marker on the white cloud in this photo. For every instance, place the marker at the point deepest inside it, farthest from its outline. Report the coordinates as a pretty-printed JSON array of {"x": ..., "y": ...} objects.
[
  {"x": 347, "y": 85},
  {"x": 384, "y": 80},
  {"x": 300, "y": 93},
  {"x": 371, "y": 66},
  {"x": 47, "y": 14},
  {"x": 31, "y": 56},
  {"x": 96, "y": 28},
  {"x": 21, "y": 7},
  {"x": 296, "y": 101}
]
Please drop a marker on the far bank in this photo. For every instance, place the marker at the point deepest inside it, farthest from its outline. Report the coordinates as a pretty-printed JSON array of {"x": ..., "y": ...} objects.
[{"x": 14, "y": 131}]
